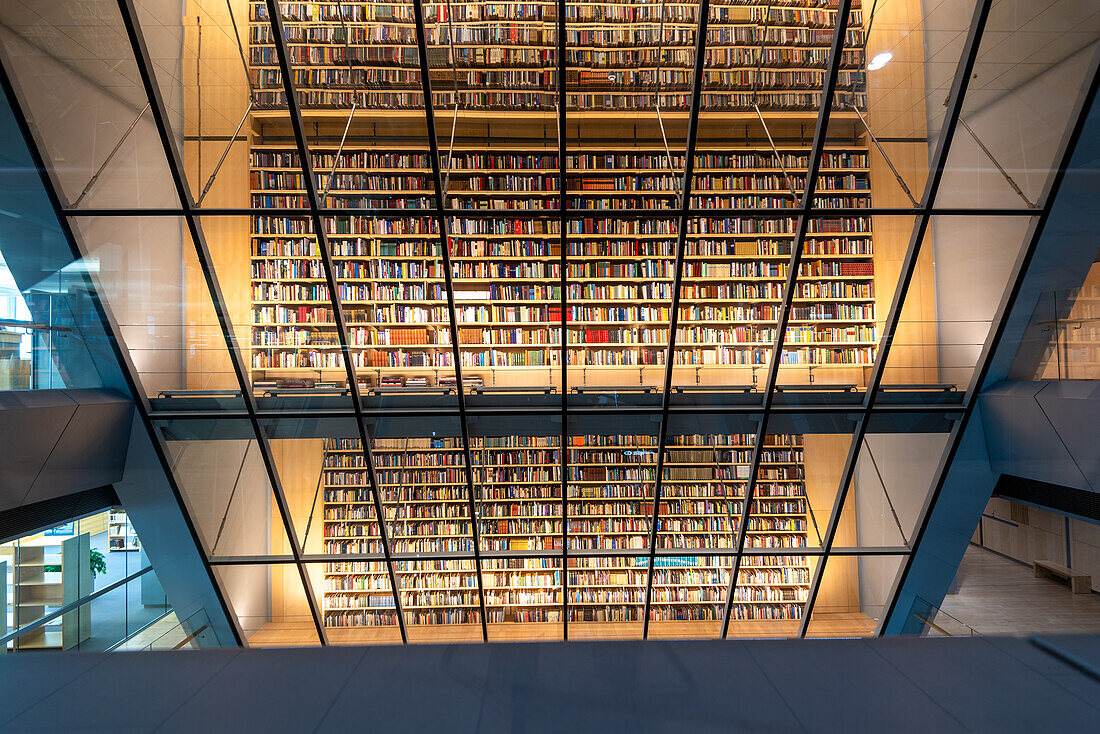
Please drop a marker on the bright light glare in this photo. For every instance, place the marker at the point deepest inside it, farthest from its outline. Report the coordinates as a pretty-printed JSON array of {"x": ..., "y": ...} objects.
[{"x": 879, "y": 61}]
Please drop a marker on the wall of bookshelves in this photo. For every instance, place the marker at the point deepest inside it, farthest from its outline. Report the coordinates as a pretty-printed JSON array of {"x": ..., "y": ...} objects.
[
  {"x": 503, "y": 56},
  {"x": 519, "y": 507},
  {"x": 506, "y": 272}
]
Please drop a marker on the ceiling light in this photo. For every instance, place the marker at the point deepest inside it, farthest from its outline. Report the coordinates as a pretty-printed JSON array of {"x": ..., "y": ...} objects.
[{"x": 879, "y": 61}]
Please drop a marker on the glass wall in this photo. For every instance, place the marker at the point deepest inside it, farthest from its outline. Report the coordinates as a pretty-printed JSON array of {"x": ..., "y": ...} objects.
[
  {"x": 84, "y": 585},
  {"x": 671, "y": 344}
]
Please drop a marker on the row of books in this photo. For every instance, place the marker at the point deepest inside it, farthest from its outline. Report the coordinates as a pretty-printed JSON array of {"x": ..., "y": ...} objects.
[
  {"x": 481, "y": 161},
  {"x": 416, "y": 225},
  {"x": 270, "y": 95}
]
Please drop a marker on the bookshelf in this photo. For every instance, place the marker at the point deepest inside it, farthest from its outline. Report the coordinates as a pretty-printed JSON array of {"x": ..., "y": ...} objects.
[
  {"x": 519, "y": 508},
  {"x": 502, "y": 56},
  {"x": 120, "y": 533},
  {"x": 507, "y": 272}
]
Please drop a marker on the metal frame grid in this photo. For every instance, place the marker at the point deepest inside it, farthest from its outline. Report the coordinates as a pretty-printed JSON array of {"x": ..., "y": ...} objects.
[{"x": 190, "y": 212}]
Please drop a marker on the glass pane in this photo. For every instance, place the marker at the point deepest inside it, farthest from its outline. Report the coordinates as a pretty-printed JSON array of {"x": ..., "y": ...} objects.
[
  {"x": 900, "y": 59},
  {"x": 440, "y": 600},
  {"x": 147, "y": 272},
  {"x": 321, "y": 468},
  {"x": 206, "y": 88},
  {"x": 91, "y": 120},
  {"x": 295, "y": 345},
  {"x": 523, "y": 598},
  {"x": 611, "y": 478},
  {"x": 852, "y": 595},
  {"x": 362, "y": 102},
  {"x": 224, "y": 482},
  {"x": 423, "y": 485},
  {"x": 606, "y": 597},
  {"x": 391, "y": 285},
  {"x": 488, "y": 65},
  {"x": 1029, "y": 80},
  {"x": 842, "y": 295},
  {"x": 618, "y": 299},
  {"x": 945, "y": 333},
  {"x": 796, "y": 487},
  {"x": 357, "y": 602},
  {"x": 893, "y": 478},
  {"x": 270, "y": 604}
]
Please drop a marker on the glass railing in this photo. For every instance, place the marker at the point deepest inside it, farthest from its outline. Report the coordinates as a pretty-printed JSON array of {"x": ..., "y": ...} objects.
[
  {"x": 1065, "y": 334},
  {"x": 190, "y": 633},
  {"x": 934, "y": 622}
]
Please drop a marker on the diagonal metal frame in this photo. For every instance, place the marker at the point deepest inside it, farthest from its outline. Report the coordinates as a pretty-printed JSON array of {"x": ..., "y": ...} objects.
[
  {"x": 306, "y": 161},
  {"x": 53, "y": 189},
  {"x": 956, "y": 99},
  {"x": 674, "y": 308},
  {"x": 448, "y": 276},
  {"x": 832, "y": 74},
  {"x": 202, "y": 252}
]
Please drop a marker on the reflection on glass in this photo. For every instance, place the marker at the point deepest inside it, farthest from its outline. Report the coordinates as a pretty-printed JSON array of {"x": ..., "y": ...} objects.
[
  {"x": 852, "y": 595},
  {"x": 269, "y": 603},
  {"x": 224, "y": 482},
  {"x": 606, "y": 597},
  {"x": 95, "y": 130},
  {"x": 949, "y": 313},
  {"x": 1021, "y": 102},
  {"x": 147, "y": 272},
  {"x": 1068, "y": 325}
]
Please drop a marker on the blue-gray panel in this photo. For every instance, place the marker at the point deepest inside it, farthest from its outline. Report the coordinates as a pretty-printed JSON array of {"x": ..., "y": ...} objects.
[
  {"x": 57, "y": 442},
  {"x": 879, "y": 685},
  {"x": 31, "y": 422},
  {"x": 1020, "y": 437},
  {"x": 92, "y": 449}
]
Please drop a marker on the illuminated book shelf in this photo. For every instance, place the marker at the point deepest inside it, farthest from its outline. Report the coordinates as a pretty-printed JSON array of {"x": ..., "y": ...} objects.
[
  {"x": 506, "y": 271},
  {"x": 519, "y": 507},
  {"x": 504, "y": 54}
]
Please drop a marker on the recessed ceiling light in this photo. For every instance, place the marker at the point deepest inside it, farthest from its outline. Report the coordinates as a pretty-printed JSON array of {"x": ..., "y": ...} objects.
[{"x": 879, "y": 61}]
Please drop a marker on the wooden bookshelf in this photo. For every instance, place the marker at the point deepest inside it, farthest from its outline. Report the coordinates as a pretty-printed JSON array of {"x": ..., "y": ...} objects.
[
  {"x": 519, "y": 508},
  {"x": 503, "y": 56},
  {"x": 507, "y": 272}
]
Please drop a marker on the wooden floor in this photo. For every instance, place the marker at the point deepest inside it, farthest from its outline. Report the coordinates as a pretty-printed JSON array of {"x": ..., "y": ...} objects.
[
  {"x": 298, "y": 634},
  {"x": 1002, "y": 597}
]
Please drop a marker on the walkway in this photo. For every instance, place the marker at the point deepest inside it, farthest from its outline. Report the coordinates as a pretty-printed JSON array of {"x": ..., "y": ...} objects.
[{"x": 1002, "y": 597}]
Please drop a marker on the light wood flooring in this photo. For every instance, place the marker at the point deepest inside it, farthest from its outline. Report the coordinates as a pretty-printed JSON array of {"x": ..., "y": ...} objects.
[
  {"x": 1001, "y": 597},
  {"x": 302, "y": 633}
]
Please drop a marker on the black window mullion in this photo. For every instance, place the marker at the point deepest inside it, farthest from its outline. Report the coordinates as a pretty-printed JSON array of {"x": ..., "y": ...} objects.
[
  {"x": 306, "y": 161},
  {"x": 954, "y": 107},
  {"x": 783, "y": 316},
  {"x": 674, "y": 309},
  {"x": 175, "y": 165}
]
